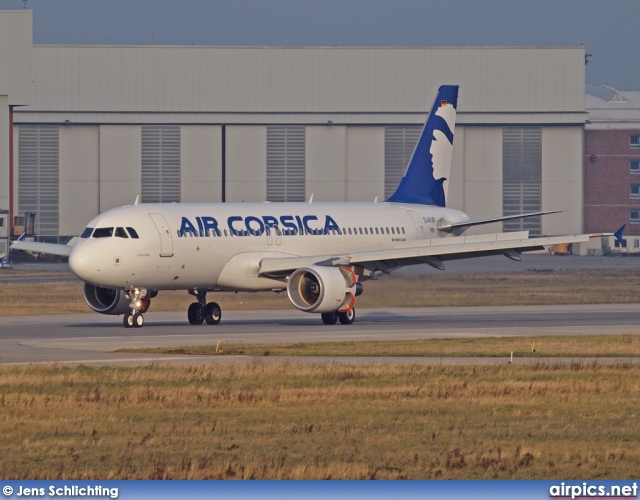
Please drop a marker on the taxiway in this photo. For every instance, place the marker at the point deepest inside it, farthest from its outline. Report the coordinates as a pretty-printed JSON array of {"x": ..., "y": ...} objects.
[{"x": 92, "y": 338}]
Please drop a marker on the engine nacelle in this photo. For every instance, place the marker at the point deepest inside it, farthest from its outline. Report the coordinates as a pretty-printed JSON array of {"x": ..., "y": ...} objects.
[
  {"x": 322, "y": 289},
  {"x": 106, "y": 300}
]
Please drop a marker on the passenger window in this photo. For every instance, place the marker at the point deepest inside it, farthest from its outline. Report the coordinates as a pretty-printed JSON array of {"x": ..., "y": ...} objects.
[
  {"x": 132, "y": 232},
  {"x": 377, "y": 231},
  {"x": 121, "y": 233},
  {"x": 87, "y": 232},
  {"x": 393, "y": 231},
  {"x": 402, "y": 230},
  {"x": 103, "y": 232}
]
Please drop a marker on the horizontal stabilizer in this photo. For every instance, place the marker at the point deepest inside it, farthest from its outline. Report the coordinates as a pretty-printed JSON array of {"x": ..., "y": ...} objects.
[{"x": 469, "y": 223}]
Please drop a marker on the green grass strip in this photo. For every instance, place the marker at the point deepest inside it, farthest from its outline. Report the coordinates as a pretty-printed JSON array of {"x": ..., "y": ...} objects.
[{"x": 542, "y": 346}]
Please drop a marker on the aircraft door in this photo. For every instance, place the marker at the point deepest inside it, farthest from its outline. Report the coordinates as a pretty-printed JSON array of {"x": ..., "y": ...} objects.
[{"x": 166, "y": 241}]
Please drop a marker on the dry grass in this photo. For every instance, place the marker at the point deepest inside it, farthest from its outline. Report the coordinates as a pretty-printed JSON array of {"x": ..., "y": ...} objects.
[
  {"x": 569, "y": 346},
  {"x": 603, "y": 286},
  {"x": 293, "y": 421}
]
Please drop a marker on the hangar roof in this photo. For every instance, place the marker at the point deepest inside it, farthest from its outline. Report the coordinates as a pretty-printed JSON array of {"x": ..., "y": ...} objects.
[{"x": 609, "y": 107}]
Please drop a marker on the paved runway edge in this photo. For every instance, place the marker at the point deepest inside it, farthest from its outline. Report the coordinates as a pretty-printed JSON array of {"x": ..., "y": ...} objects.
[{"x": 93, "y": 339}]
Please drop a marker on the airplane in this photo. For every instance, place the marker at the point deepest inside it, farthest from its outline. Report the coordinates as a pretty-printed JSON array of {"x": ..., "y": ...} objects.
[{"x": 320, "y": 253}]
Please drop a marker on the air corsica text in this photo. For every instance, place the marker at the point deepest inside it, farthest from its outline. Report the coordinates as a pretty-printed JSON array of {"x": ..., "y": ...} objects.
[{"x": 256, "y": 226}]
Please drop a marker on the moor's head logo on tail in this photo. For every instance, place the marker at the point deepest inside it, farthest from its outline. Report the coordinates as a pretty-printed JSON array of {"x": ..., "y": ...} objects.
[{"x": 425, "y": 180}]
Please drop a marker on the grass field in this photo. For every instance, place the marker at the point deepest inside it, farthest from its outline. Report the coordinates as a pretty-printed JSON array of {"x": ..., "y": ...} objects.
[
  {"x": 265, "y": 420},
  {"x": 604, "y": 286},
  {"x": 294, "y": 421},
  {"x": 556, "y": 346}
]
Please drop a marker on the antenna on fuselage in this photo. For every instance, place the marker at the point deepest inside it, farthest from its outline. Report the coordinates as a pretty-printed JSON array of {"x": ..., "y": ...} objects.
[
  {"x": 137, "y": 200},
  {"x": 311, "y": 198}
]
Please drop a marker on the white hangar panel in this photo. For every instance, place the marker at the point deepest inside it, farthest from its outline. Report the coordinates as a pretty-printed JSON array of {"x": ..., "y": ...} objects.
[
  {"x": 120, "y": 165},
  {"x": 482, "y": 190},
  {"x": 365, "y": 163},
  {"x": 79, "y": 176},
  {"x": 201, "y": 163},
  {"x": 246, "y": 163},
  {"x": 562, "y": 179},
  {"x": 15, "y": 56},
  {"x": 326, "y": 163}
]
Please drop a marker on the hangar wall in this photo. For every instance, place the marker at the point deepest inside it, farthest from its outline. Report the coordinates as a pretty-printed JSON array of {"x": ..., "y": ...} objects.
[{"x": 248, "y": 122}]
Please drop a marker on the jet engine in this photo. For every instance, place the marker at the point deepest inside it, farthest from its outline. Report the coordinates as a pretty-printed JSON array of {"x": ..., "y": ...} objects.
[
  {"x": 106, "y": 300},
  {"x": 322, "y": 289}
]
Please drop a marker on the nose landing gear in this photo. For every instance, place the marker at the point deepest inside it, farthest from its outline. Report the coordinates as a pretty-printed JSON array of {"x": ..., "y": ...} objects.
[{"x": 140, "y": 302}]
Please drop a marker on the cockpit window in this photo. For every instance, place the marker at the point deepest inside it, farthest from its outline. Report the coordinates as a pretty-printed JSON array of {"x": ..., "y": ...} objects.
[
  {"x": 132, "y": 232},
  {"x": 121, "y": 233},
  {"x": 103, "y": 232},
  {"x": 87, "y": 232}
]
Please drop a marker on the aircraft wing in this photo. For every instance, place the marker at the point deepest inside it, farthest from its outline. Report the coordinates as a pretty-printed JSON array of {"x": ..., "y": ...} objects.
[
  {"x": 37, "y": 247},
  {"x": 433, "y": 252}
]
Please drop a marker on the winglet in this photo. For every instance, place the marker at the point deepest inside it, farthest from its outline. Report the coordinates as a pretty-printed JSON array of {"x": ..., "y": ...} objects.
[{"x": 618, "y": 234}]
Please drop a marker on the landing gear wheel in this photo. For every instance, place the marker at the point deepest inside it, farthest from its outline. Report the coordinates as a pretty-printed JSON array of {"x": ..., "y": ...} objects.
[
  {"x": 127, "y": 321},
  {"x": 330, "y": 318},
  {"x": 347, "y": 318},
  {"x": 212, "y": 313},
  {"x": 194, "y": 313},
  {"x": 138, "y": 320}
]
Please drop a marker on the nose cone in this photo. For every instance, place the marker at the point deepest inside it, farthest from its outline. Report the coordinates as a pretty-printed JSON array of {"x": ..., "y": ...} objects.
[{"x": 80, "y": 262}]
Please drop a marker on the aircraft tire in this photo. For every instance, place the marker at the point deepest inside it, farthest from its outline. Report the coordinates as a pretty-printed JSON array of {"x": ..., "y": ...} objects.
[
  {"x": 347, "y": 318},
  {"x": 194, "y": 313},
  {"x": 127, "y": 321},
  {"x": 138, "y": 320},
  {"x": 330, "y": 318},
  {"x": 212, "y": 313}
]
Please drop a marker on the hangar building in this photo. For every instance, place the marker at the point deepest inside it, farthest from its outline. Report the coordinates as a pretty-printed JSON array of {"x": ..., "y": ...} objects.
[{"x": 87, "y": 128}]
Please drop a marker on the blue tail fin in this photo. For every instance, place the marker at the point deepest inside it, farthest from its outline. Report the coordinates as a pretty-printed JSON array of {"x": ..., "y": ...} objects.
[{"x": 424, "y": 180}]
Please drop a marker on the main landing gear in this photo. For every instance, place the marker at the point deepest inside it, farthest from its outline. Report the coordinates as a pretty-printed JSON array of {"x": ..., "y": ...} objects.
[
  {"x": 345, "y": 318},
  {"x": 140, "y": 302},
  {"x": 201, "y": 312}
]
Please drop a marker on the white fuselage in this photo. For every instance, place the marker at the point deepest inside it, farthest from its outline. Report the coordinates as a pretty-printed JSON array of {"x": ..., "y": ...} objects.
[{"x": 220, "y": 245}]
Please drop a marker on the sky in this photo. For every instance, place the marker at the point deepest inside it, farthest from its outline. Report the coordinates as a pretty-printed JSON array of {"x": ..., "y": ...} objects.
[{"x": 610, "y": 29}]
